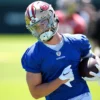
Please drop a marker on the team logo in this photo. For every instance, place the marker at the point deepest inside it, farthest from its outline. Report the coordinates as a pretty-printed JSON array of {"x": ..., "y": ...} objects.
[
  {"x": 58, "y": 53},
  {"x": 44, "y": 7}
]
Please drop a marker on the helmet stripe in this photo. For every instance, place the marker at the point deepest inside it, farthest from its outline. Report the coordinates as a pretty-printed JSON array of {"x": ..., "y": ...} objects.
[
  {"x": 33, "y": 10},
  {"x": 30, "y": 10}
]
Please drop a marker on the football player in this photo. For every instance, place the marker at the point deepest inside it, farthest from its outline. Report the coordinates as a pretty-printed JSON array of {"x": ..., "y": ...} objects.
[{"x": 51, "y": 63}]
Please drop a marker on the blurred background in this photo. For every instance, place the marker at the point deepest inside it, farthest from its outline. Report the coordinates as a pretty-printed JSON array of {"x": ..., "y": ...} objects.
[{"x": 75, "y": 16}]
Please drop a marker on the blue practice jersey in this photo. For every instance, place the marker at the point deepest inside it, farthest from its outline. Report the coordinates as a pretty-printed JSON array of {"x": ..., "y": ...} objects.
[{"x": 41, "y": 59}]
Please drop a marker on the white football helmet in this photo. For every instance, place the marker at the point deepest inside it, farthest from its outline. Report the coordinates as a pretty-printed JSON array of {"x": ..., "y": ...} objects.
[{"x": 41, "y": 20}]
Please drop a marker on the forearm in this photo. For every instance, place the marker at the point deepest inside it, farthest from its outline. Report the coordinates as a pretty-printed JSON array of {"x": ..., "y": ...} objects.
[
  {"x": 39, "y": 89},
  {"x": 46, "y": 88}
]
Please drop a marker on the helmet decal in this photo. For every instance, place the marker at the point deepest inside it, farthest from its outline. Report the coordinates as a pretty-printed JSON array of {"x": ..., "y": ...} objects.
[{"x": 44, "y": 7}]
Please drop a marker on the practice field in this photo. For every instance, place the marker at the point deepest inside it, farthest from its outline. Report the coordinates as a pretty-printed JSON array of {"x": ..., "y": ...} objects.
[{"x": 12, "y": 77}]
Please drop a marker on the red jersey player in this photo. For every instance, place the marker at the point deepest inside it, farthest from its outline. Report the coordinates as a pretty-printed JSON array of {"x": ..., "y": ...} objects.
[{"x": 69, "y": 20}]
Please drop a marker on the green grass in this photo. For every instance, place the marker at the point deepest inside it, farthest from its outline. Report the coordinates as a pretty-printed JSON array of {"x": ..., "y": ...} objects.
[{"x": 12, "y": 77}]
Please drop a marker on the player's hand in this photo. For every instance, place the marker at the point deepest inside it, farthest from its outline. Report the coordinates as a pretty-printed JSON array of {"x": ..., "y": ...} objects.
[
  {"x": 67, "y": 74},
  {"x": 96, "y": 76}
]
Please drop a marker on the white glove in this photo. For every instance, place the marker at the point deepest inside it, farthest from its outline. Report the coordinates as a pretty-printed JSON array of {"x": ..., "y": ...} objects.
[
  {"x": 67, "y": 74},
  {"x": 68, "y": 82}
]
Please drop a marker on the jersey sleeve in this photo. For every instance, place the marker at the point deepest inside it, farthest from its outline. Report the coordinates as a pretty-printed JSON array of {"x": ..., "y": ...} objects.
[
  {"x": 30, "y": 62},
  {"x": 83, "y": 44}
]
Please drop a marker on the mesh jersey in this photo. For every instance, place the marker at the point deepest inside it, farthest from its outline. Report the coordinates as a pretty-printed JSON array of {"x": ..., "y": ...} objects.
[{"x": 40, "y": 59}]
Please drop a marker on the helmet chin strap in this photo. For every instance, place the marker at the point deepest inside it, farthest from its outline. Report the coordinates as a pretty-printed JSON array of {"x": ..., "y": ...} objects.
[
  {"x": 46, "y": 36},
  {"x": 49, "y": 34}
]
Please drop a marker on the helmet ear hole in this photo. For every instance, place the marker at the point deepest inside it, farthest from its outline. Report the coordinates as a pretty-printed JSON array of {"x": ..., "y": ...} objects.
[
  {"x": 57, "y": 20},
  {"x": 54, "y": 15}
]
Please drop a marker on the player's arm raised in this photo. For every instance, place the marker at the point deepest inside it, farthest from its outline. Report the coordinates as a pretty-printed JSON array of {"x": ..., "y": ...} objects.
[{"x": 39, "y": 89}]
